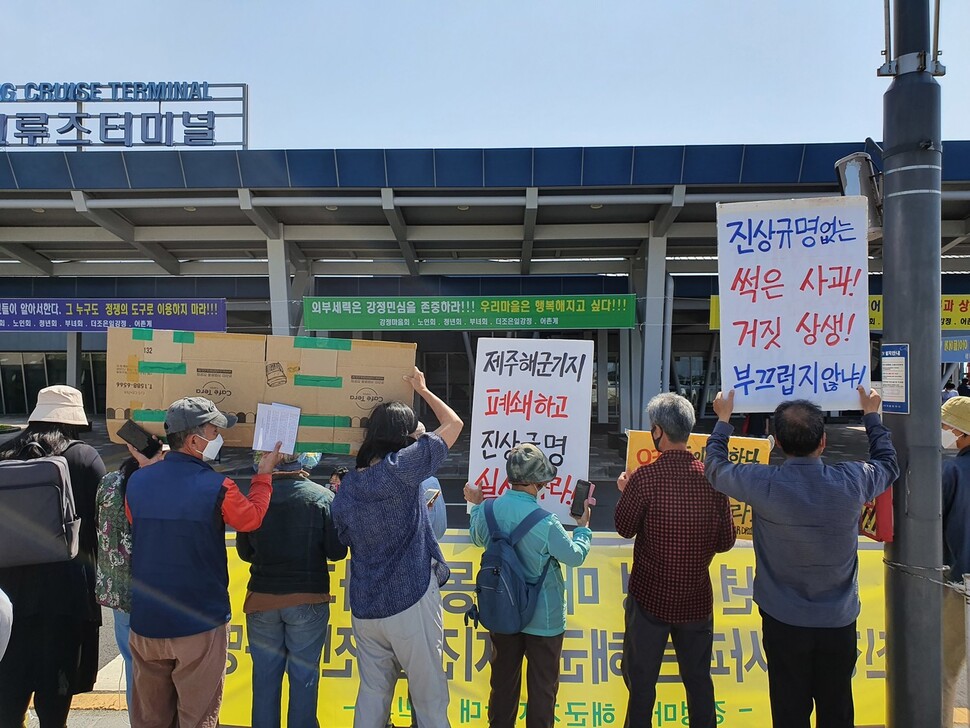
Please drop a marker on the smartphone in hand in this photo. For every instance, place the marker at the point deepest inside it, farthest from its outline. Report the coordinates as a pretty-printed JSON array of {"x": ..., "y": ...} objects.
[
  {"x": 140, "y": 439},
  {"x": 431, "y": 496},
  {"x": 582, "y": 491}
]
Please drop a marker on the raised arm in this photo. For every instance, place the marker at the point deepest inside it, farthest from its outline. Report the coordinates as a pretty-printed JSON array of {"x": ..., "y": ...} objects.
[
  {"x": 882, "y": 469},
  {"x": 725, "y": 476},
  {"x": 450, "y": 424}
]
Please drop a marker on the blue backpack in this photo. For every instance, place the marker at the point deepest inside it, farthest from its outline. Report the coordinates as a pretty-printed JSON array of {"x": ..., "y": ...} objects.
[{"x": 506, "y": 601}]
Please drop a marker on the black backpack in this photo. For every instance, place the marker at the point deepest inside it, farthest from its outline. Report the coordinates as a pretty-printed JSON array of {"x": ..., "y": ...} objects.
[
  {"x": 506, "y": 601},
  {"x": 40, "y": 523}
]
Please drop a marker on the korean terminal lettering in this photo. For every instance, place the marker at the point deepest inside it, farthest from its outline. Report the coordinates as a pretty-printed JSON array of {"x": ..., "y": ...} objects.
[{"x": 76, "y": 129}]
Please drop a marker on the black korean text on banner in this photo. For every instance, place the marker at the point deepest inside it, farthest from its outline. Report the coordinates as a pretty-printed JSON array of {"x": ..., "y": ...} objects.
[{"x": 532, "y": 390}]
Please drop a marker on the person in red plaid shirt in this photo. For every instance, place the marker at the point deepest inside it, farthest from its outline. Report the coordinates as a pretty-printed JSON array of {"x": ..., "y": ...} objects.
[{"x": 680, "y": 522}]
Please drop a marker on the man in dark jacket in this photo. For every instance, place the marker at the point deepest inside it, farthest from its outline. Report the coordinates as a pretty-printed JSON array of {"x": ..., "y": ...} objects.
[
  {"x": 288, "y": 603},
  {"x": 179, "y": 509}
]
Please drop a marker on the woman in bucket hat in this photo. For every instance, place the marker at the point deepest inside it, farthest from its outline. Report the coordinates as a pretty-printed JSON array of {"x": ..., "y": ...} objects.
[{"x": 53, "y": 650}]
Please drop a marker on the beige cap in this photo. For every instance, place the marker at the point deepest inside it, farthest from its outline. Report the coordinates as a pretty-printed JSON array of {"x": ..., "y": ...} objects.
[
  {"x": 956, "y": 413},
  {"x": 61, "y": 404}
]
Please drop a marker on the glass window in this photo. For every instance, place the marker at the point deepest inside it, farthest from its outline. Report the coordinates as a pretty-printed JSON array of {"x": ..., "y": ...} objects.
[
  {"x": 12, "y": 375},
  {"x": 35, "y": 375},
  {"x": 56, "y": 368},
  {"x": 99, "y": 371}
]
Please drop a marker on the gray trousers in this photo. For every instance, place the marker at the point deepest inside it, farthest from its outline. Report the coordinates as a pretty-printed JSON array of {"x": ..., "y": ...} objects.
[{"x": 411, "y": 640}]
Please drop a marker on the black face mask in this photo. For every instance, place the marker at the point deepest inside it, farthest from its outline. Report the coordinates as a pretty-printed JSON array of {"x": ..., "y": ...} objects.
[{"x": 657, "y": 438}]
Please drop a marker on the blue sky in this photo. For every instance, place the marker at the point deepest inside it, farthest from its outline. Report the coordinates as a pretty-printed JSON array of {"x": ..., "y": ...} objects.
[{"x": 494, "y": 73}]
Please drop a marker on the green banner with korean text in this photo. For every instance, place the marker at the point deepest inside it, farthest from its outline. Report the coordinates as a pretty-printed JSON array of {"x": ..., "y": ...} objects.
[{"x": 469, "y": 313}]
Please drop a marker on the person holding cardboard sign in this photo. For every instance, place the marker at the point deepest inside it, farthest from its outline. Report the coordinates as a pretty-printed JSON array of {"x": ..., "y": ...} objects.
[
  {"x": 806, "y": 525},
  {"x": 398, "y": 569}
]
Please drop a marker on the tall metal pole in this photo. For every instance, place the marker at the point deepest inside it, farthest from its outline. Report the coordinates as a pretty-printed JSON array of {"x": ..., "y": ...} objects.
[{"x": 911, "y": 251}]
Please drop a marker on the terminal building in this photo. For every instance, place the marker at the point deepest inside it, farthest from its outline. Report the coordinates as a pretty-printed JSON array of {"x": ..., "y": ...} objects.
[{"x": 263, "y": 229}]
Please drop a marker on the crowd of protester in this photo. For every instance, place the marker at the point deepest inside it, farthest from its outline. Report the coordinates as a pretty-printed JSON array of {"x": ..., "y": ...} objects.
[{"x": 152, "y": 549}]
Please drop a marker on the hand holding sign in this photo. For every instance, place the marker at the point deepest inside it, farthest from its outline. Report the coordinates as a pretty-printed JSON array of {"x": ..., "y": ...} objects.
[
  {"x": 870, "y": 402},
  {"x": 724, "y": 406}
]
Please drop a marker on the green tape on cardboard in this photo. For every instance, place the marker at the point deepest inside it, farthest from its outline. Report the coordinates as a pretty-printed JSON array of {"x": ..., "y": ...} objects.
[
  {"x": 331, "y": 448},
  {"x": 183, "y": 337},
  {"x": 161, "y": 367},
  {"x": 309, "y": 342},
  {"x": 142, "y": 334},
  {"x": 308, "y": 380},
  {"x": 148, "y": 415},
  {"x": 324, "y": 421}
]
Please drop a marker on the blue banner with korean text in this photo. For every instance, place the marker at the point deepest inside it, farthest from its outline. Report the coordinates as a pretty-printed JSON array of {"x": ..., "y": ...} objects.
[{"x": 100, "y": 314}]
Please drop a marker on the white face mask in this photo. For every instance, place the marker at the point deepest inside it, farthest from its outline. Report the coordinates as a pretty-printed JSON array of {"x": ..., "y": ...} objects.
[
  {"x": 949, "y": 439},
  {"x": 211, "y": 451}
]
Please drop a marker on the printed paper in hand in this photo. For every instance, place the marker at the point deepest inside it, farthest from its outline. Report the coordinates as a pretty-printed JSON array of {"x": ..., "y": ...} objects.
[{"x": 276, "y": 423}]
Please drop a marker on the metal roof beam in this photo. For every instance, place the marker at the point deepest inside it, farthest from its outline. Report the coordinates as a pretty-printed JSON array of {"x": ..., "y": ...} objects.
[
  {"x": 396, "y": 220},
  {"x": 259, "y": 216},
  {"x": 124, "y": 230},
  {"x": 529, "y": 228},
  {"x": 954, "y": 243},
  {"x": 669, "y": 212},
  {"x": 959, "y": 239},
  {"x": 29, "y": 257},
  {"x": 107, "y": 219}
]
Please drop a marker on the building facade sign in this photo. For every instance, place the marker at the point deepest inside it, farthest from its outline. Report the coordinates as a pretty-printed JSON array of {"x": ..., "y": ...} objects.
[
  {"x": 469, "y": 313},
  {"x": 123, "y": 114},
  {"x": 99, "y": 314}
]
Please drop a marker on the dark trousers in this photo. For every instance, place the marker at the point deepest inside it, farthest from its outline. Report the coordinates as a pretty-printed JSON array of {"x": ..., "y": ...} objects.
[
  {"x": 806, "y": 665},
  {"x": 643, "y": 649},
  {"x": 43, "y": 659},
  {"x": 541, "y": 677}
]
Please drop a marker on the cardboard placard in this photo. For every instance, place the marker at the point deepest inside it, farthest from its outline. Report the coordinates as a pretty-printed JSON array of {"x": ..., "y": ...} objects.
[{"x": 335, "y": 382}]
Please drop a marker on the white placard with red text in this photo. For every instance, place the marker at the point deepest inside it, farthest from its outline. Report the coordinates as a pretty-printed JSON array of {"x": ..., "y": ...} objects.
[
  {"x": 532, "y": 390},
  {"x": 794, "y": 295}
]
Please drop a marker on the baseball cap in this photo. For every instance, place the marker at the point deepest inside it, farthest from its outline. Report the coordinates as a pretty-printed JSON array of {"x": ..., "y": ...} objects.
[
  {"x": 956, "y": 413},
  {"x": 528, "y": 464},
  {"x": 191, "y": 412}
]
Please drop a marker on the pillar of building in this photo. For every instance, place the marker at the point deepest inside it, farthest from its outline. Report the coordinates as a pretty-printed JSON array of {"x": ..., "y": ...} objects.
[{"x": 279, "y": 286}]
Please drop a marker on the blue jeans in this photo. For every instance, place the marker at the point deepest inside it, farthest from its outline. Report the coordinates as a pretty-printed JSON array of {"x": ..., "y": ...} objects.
[
  {"x": 122, "y": 622},
  {"x": 288, "y": 639}
]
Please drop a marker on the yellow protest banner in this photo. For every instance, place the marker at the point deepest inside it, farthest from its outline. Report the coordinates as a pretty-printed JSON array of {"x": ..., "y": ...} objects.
[
  {"x": 640, "y": 450},
  {"x": 591, "y": 693}
]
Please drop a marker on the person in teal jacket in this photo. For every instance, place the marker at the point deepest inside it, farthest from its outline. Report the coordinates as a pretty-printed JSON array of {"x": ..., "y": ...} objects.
[{"x": 529, "y": 470}]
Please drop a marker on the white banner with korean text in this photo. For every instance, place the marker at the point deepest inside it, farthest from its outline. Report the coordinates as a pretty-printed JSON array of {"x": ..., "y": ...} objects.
[
  {"x": 793, "y": 283},
  {"x": 532, "y": 390}
]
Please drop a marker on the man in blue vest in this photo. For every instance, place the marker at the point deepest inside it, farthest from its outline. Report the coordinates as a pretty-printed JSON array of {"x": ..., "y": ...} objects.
[{"x": 179, "y": 509}]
